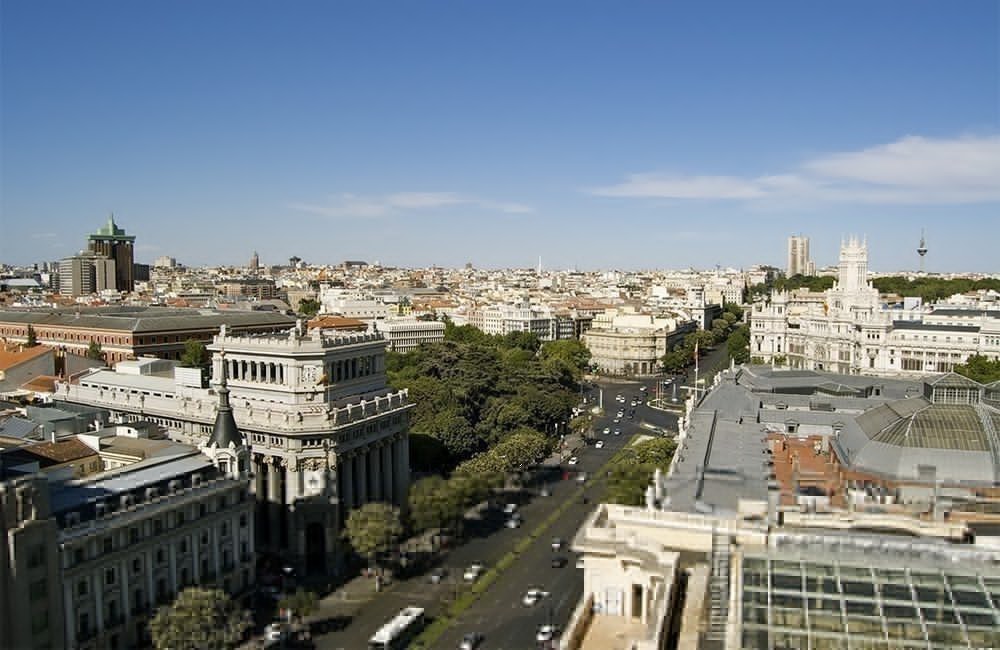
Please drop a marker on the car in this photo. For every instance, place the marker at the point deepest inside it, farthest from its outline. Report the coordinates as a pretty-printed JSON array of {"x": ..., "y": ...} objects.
[
  {"x": 545, "y": 492},
  {"x": 633, "y": 403},
  {"x": 581, "y": 477},
  {"x": 437, "y": 575},
  {"x": 618, "y": 432},
  {"x": 559, "y": 561},
  {"x": 510, "y": 508},
  {"x": 276, "y": 633},
  {"x": 557, "y": 543},
  {"x": 599, "y": 444},
  {"x": 547, "y": 633},
  {"x": 470, "y": 641},
  {"x": 642, "y": 389},
  {"x": 533, "y": 595},
  {"x": 606, "y": 431},
  {"x": 473, "y": 572},
  {"x": 573, "y": 460},
  {"x": 513, "y": 522},
  {"x": 617, "y": 420}
]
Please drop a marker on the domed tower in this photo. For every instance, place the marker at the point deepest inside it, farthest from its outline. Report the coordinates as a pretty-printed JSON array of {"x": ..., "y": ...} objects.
[{"x": 226, "y": 447}]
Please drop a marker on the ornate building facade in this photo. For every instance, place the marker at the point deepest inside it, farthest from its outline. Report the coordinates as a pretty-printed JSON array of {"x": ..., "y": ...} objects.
[
  {"x": 325, "y": 432},
  {"x": 847, "y": 329}
]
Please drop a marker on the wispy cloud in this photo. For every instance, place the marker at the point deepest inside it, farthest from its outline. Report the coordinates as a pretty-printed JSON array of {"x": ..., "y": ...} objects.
[
  {"x": 362, "y": 207},
  {"x": 912, "y": 170}
]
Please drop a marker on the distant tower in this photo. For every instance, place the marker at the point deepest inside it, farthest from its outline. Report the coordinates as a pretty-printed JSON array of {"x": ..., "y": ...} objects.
[
  {"x": 922, "y": 250},
  {"x": 254, "y": 262},
  {"x": 111, "y": 241},
  {"x": 798, "y": 256},
  {"x": 539, "y": 265}
]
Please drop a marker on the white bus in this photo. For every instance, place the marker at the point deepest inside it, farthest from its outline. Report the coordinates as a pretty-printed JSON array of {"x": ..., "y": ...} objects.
[{"x": 398, "y": 632}]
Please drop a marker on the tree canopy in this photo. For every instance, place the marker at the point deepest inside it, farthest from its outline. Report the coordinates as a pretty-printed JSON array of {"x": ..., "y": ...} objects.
[
  {"x": 32, "y": 337},
  {"x": 373, "y": 528},
  {"x": 980, "y": 368},
  {"x": 94, "y": 351},
  {"x": 472, "y": 390},
  {"x": 309, "y": 307},
  {"x": 195, "y": 354},
  {"x": 632, "y": 470},
  {"x": 199, "y": 619}
]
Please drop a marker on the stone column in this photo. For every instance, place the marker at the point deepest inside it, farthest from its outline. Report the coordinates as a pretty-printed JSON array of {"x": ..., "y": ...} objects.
[
  {"x": 375, "y": 461},
  {"x": 126, "y": 611},
  {"x": 403, "y": 470},
  {"x": 150, "y": 591},
  {"x": 98, "y": 601},
  {"x": 347, "y": 498},
  {"x": 196, "y": 559},
  {"x": 274, "y": 502},
  {"x": 71, "y": 615},
  {"x": 293, "y": 474},
  {"x": 361, "y": 468},
  {"x": 387, "y": 471}
]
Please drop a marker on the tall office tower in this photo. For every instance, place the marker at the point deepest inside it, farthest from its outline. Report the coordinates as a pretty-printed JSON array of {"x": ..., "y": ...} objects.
[
  {"x": 798, "y": 255},
  {"x": 86, "y": 273},
  {"x": 111, "y": 241},
  {"x": 254, "y": 262}
]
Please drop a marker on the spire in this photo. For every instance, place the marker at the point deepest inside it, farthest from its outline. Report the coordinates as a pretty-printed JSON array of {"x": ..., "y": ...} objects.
[{"x": 225, "y": 430}]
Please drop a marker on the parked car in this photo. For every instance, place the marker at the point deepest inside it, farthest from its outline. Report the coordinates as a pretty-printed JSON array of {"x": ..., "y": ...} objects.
[
  {"x": 470, "y": 641},
  {"x": 559, "y": 562},
  {"x": 473, "y": 572},
  {"x": 437, "y": 575},
  {"x": 573, "y": 460},
  {"x": 557, "y": 543},
  {"x": 513, "y": 522},
  {"x": 547, "y": 633},
  {"x": 599, "y": 444},
  {"x": 510, "y": 508},
  {"x": 533, "y": 595}
]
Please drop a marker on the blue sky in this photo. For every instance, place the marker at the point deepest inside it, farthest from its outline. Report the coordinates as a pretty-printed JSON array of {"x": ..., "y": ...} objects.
[{"x": 593, "y": 134}]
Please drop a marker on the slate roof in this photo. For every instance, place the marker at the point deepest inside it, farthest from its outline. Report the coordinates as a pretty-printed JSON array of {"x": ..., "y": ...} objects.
[{"x": 147, "y": 319}]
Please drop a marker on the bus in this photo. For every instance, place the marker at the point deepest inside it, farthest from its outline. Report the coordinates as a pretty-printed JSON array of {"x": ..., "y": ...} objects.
[{"x": 398, "y": 632}]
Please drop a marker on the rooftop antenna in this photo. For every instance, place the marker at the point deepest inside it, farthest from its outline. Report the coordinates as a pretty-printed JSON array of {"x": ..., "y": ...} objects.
[{"x": 922, "y": 250}]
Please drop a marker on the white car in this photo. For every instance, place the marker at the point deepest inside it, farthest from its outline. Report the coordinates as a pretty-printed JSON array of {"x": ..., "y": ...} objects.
[
  {"x": 510, "y": 508},
  {"x": 513, "y": 522},
  {"x": 546, "y": 633},
  {"x": 581, "y": 477},
  {"x": 472, "y": 573},
  {"x": 599, "y": 444},
  {"x": 573, "y": 460},
  {"x": 607, "y": 430},
  {"x": 533, "y": 595}
]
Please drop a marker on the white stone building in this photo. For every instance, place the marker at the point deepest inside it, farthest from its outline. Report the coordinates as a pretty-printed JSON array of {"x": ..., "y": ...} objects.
[
  {"x": 405, "y": 334},
  {"x": 630, "y": 343},
  {"x": 848, "y": 330},
  {"x": 326, "y": 433}
]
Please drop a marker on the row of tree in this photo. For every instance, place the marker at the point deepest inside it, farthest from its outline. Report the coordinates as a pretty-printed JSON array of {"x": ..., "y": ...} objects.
[
  {"x": 631, "y": 471},
  {"x": 928, "y": 288},
  {"x": 473, "y": 390},
  {"x": 980, "y": 368},
  {"x": 681, "y": 355}
]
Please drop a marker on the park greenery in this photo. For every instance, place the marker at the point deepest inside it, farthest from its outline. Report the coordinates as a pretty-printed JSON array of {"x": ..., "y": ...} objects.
[
  {"x": 309, "y": 307},
  {"x": 930, "y": 289},
  {"x": 631, "y": 470},
  {"x": 980, "y": 368},
  {"x": 195, "y": 354},
  {"x": 301, "y": 604},
  {"x": 94, "y": 351},
  {"x": 439, "y": 503},
  {"x": 373, "y": 530},
  {"x": 199, "y": 619},
  {"x": 473, "y": 391},
  {"x": 725, "y": 328}
]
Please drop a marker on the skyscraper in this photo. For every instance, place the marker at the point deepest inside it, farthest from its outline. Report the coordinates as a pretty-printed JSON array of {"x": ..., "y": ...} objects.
[
  {"x": 111, "y": 241},
  {"x": 798, "y": 256}
]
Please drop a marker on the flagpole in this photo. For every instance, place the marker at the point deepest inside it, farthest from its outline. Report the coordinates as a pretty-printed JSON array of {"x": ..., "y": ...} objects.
[{"x": 696, "y": 372}]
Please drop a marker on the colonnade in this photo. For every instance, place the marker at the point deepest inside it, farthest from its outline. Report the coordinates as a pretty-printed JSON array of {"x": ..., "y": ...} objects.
[
  {"x": 353, "y": 368},
  {"x": 266, "y": 372},
  {"x": 378, "y": 471}
]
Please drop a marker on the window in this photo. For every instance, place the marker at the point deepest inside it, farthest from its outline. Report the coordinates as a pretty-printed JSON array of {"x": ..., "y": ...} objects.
[
  {"x": 133, "y": 535},
  {"x": 81, "y": 588},
  {"x": 78, "y": 555},
  {"x": 184, "y": 545},
  {"x": 109, "y": 576},
  {"x": 243, "y": 521},
  {"x": 161, "y": 556},
  {"x": 136, "y": 565},
  {"x": 108, "y": 544}
]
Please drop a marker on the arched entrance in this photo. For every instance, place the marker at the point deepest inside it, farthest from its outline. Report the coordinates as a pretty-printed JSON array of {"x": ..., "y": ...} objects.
[{"x": 315, "y": 548}]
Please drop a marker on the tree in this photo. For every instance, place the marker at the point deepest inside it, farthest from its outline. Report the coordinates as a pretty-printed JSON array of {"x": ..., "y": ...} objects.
[
  {"x": 32, "y": 337},
  {"x": 980, "y": 368},
  {"x": 302, "y": 603},
  {"x": 199, "y": 618},
  {"x": 428, "y": 501},
  {"x": 309, "y": 307},
  {"x": 632, "y": 470},
  {"x": 195, "y": 354},
  {"x": 373, "y": 528},
  {"x": 94, "y": 351},
  {"x": 738, "y": 344}
]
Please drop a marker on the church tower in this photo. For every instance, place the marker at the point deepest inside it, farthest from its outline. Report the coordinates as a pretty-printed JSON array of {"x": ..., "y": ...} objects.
[{"x": 226, "y": 447}]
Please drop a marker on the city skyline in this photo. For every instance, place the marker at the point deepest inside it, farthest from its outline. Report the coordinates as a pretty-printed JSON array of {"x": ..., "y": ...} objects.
[{"x": 595, "y": 137}]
